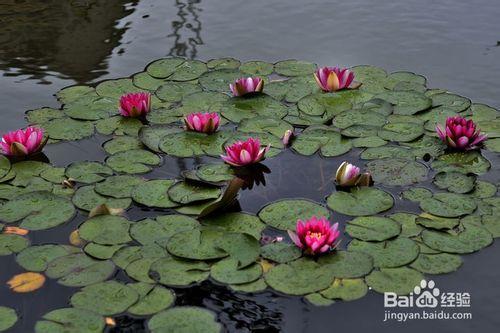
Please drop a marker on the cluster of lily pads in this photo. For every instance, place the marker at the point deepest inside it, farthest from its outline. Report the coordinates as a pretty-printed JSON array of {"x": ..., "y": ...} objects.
[{"x": 388, "y": 119}]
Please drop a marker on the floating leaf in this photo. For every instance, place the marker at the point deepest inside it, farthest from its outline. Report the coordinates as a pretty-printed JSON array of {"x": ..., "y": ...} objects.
[
  {"x": 37, "y": 210},
  {"x": 87, "y": 198},
  {"x": 68, "y": 129},
  {"x": 400, "y": 280},
  {"x": 436, "y": 222},
  {"x": 318, "y": 300},
  {"x": 361, "y": 201},
  {"x": 401, "y": 132},
  {"x": 4, "y": 166},
  {"x": 322, "y": 138},
  {"x": 257, "y": 68},
  {"x": 294, "y": 67},
  {"x": 219, "y": 80},
  {"x": 344, "y": 264},
  {"x": 406, "y": 102},
  {"x": 101, "y": 251},
  {"x": 397, "y": 171},
  {"x": 284, "y": 214},
  {"x": 163, "y": 68},
  {"x": 437, "y": 263},
  {"x": 118, "y": 186},
  {"x": 468, "y": 162},
  {"x": 8, "y": 317},
  {"x": 409, "y": 227},
  {"x": 133, "y": 161},
  {"x": 196, "y": 244},
  {"x": 70, "y": 320},
  {"x": 106, "y": 230},
  {"x": 185, "y": 319},
  {"x": 175, "y": 272},
  {"x": 37, "y": 257},
  {"x": 448, "y": 205},
  {"x": 184, "y": 193},
  {"x": 153, "y": 193},
  {"x": 455, "y": 182},
  {"x": 251, "y": 287},
  {"x": 391, "y": 253},
  {"x": 105, "y": 298},
  {"x": 152, "y": 299},
  {"x": 26, "y": 282},
  {"x": 281, "y": 252},
  {"x": 237, "y": 109},
  {"x": 386, "y": 152},
  {"x": 372, "y": 228},
  {"x": 228, "y": 271},
  {"x": 88, "y": 172},
  {"x": 119, "y": 126},
  {"x": 188, "y": 70},
  {"x": 346, "y": 289}
]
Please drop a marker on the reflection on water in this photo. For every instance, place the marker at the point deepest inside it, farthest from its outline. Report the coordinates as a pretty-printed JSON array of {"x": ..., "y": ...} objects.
[
  {"x": 69, "y": 39},
  {"x": 187, "y": 30}
]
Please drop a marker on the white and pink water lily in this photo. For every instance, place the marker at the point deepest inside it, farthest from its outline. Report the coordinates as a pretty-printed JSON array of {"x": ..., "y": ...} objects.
[
  {"x": 207, "y": 122},
  {"x": 460, "y": 133},
  {"x": 243, "y": 153},
  {"x": 247, "y": 85},
  {"x": 332, "y": 79},
  {"x": 135, "y": 104},
  {"x": 348, "y": 175},
  {"x": 23, "y": 142},
  {"x": 315, "y": 236}
]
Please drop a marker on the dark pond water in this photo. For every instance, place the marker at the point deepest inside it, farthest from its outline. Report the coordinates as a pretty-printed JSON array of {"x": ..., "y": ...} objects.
[{"x": 46, "y": 45}]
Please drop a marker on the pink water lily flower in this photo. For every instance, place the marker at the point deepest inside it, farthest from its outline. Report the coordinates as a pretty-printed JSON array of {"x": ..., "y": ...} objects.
[
  {"x": 348, "y": 175},
  {"x": 243, "y": 153},
  {"x": 460, "y": 133},
  {"x": 207, "y": 122},
  {"x": 246, "y": 85},
  {"x": 23, "y": 142},
  {"x": 333, "y": 78},
  {"x": 315, "y": 235},
  {"x": 135, "y": 104}
]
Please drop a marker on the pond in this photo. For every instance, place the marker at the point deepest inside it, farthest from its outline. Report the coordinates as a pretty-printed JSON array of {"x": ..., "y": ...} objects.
[{"x": 47, "y": 46}]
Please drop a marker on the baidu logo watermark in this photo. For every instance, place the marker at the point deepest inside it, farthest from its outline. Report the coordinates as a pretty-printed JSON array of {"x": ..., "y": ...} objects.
[{"x": 427, "y": 302}]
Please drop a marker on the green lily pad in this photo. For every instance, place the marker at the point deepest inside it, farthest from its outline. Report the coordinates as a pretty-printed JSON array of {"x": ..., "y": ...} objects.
[
  {"x": 43, "y": 115},
  {"x": 437, "y": 263},
  {"x": 257, "y": 68},
  {"x": 280, "y": 252},
  {"x": 4, "y": 166},
  {"x": 11, "y": 243},
  {"x": 118, "y": 186},
  {"x": 106, "y": 298},
  {"x": 87, "y": 198},
  {"x": 175, "y": 91},
  {"x": 185, "y": 319},
  {"x": 116, "y": 88},
  {"x": 417, "y": 194},
  {"x": 468, "y": 162},
  {"x": 345, "y": 264},
  {"x": 236, "y": 222},
  {"x": 102, "y": 252},
  {"x": 299, "y": 277},
  {"x": 317, "y": 299},
  {"x": 188, "y": 70},
  {"x": 68, "y": 129},
  {"x": 361, "y": 201},
  {"x": 196, "y": 244},
  {"x": 483, "y": 190},
  {"x": 407, "y": 102},
  {"x": 128, "y": 254},
  {"x": 91, "y": 108},
  {"x": 133, "y": 161},
  {"x": 215, "y": 173},
  {"x": 161, "y": 229},
  {"x": 37, "y": 210},
  {"x": 325, "y": 139},
  {"x": 492, "y": 224},
  {"x": 139, "y": 269},
  {"x": 284, "y": 214},
  {"x": 78, "y": 270},
  {"x": 188, "y": 144},
  {"x": 243, "y": 248},
  {"x": 436, "y": 222},
  {"x": 184, "y": 192},
  {"x": 152, "y": 299},
  {"x": 122, "y": 143},
  {"x": 346, "y": 289},
  {"x": 493, "y": 145},
  {"x": 455, "y": 182},
  {"x": 400, "y": 280},
  {"x": 37, "y": 257},
  {"x": 368, "y": 142},
  {"x": 294, "y": 67},
  {"x": 227, "y": 271},
  {"x": 386, "y": 152},
  {"x": 391, "y": 253},
  {"x": 119, "y": 126},
  {"x": 451, "y": 101},
  {"x": 8, "y": 317},
  {"x": 409, "y": 227},
  {"x": 276, "y": 127},
  {"x": 163, "y": 68},
  {"x": 397, "y": 171},
  {"x": 153, "y": 193},
  {"x": 251, "y": 287},
  {"x": 70, "y": 320},
  {"x": 372, "y": 228},
  {"x": 401, "y": 132},
  {"x": 472, "y": 239},
  {"x": 448, "y": 205},
  {"x": 88, "y": 172},
  {"x": 358, "y": 117},
  {"x": 175, "y": 272},
  {"x": 219, "y": 80},
  {"x": 106, "y": 230},
  {"x": 237, "y": 109}
]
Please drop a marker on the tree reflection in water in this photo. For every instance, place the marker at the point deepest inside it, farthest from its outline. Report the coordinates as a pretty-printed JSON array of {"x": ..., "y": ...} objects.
[{"x": 187, "y": 30}]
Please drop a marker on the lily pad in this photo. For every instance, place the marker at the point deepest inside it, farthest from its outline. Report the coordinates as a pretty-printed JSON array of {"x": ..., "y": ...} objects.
[
  {"x": 8, "y": 317},
  {"x": 299, "y": 277},
  {"x": 397, "y": 171},
  {"x": 68, "y": 129},
  {"x": 4, "y": 166},
  {"x": 284, "y": 214},
  {"x": 372, "y": 228},
  {"x": 119, "y": 126},
  {"x": 185, "y": 319},
  {"x": 118, "y": 186},
  {"x": 78, "y": 270},
  {"x": 219, "y": 80},
  {"x": 133, "y": 161},
  {"x": 105, "y": 298},
  {"x": 11, "y": 243},
  {"x": 228, "y": 271},
  {"x": 175, "y": 91},
  {"x": 188, "y": 70},
  {"x": 163, "y": 68},
  {"x": 196, "y": 244},
  {"x": 407, "y": 102},
  {"x": 468, "y": 162},
  {"x": 236, "y": 222},
  {"x": 417, "y": 194},
  {"x": 184, "y": 193},
  {"x": 237, "y": 109},
  {"x": 400, "y": 280},
  {"x": 257, "y": 68},
  {"x": 70, "y": 320},
  {"x": 361, "y": 201},
  {"x": 37, "y": 210},
  {"x": 472, "y": 239},
  {"x": 436, "y": 222},
  {"x": 122, "y": 143},
  {"x": 153, "y": 299},
  {"x": 102, "y": 252},
  {"x": 386, "y": 152},
  {"x": 175, "y": 272},
  {"x": 281, "y": 252},
  {"x": 345, "y": 264},
  {"x": 87, "y": 198},
  {"x": 437, "y": 263},
  {"x": 401, "y": 132},
  {"x": 158, "y": 231},
  {"x": 106, "y": 230},
  {"x": 391, "y": 253},
  {"x": 322, "y": 138},
  {"x": 153, "y": 193},
  {"x": 37, "y": 257},
  {"x": 188, "y": 144},
  {"x": 294, "y": 67},
  {"x": 448, "y": 205},
  {"x": 455, "y": 182},
  {"x": 88, "y": 172},
  {"x": 215, "y": 173},
  {"x": 346, "y": 289}
]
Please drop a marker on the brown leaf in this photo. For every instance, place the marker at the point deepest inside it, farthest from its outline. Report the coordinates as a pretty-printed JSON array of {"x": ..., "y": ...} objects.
[
  {"x": 26, "y": 282},
  {"x": 15, "y": 230},
  {"x": 110, "y": 321},
  {"x": 74, "y": 238}
]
